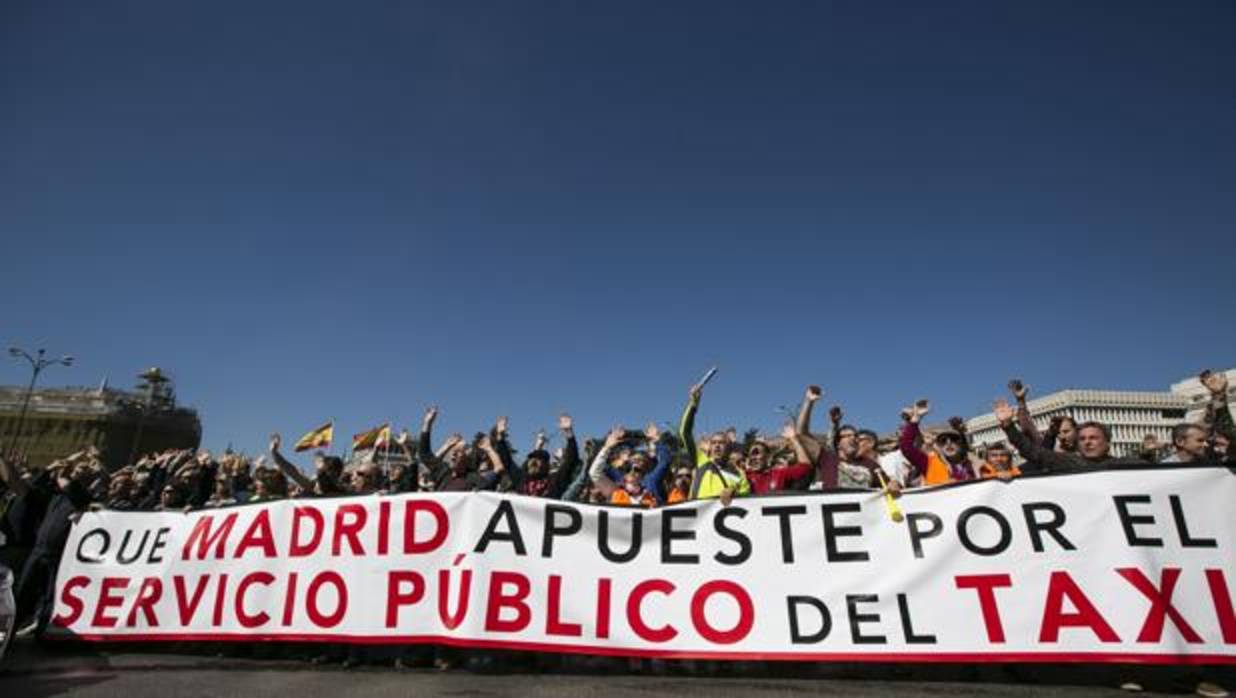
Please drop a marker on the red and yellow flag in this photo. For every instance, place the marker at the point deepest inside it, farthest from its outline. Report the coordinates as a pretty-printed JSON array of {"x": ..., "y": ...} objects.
[
  {"x": 374, "y": 438},
  {"x": 318, "y": 438}
]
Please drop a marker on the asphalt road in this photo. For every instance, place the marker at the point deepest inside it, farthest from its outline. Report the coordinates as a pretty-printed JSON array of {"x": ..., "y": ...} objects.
[{"x": 33, "y": 672}]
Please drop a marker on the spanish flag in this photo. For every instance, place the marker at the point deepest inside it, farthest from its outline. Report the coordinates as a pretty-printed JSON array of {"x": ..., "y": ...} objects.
[
  {"x": 318, "y": 438},
  {"x": 374, "y": 438}
]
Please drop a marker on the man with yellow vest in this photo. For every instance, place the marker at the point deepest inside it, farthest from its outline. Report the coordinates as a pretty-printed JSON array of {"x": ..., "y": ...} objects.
[
  {"x": 715, "y": 477},
  {"x": 947, "y": 461}
]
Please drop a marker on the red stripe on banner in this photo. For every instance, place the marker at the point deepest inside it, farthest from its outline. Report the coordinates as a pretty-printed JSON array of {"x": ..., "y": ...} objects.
[{"x": 891, "y": 658}]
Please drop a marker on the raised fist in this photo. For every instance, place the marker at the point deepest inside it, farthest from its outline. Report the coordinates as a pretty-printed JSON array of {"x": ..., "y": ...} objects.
[
  {"x": 1018, "y": 389},
  {"x": 919, "y": 410},
  {"x": 814, "y": 392},
  {"x": 834, "y": 414}
]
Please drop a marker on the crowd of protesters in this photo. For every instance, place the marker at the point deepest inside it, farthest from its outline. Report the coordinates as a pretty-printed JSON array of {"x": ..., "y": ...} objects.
[{"x": 644, "y": 468}]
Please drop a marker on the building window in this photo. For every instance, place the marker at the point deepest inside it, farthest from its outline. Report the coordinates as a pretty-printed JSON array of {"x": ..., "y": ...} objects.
[{"x": 1173, "y": 414}]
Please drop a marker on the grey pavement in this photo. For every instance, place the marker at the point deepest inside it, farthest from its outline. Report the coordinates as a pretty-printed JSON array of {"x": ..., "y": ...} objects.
[{"x": 34, "y": 672}]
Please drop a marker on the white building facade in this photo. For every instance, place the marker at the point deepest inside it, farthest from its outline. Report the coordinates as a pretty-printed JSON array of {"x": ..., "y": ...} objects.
[{"x": 1131, "y": 415}]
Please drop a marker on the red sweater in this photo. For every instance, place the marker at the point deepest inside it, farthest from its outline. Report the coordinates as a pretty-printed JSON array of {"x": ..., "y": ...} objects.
[{"x": 776, "y": 478}]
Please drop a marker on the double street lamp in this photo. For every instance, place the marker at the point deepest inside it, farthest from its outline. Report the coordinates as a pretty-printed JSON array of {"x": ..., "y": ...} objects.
[{"x": 38, "y": 362}]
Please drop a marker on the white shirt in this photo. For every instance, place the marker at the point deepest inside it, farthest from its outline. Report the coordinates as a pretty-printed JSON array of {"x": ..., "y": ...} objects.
[{"x": 896, "y": 467}]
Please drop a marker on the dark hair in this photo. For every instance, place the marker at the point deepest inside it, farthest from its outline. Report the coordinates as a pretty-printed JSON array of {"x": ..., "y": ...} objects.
[
  {"x": 334, "y": 464},
  {"x": 847, "y": 427},
  {"x": 999, "y": 446},
  {"x": 1107, "y": 432},
  {"x": 867, "y": 432},
  {"x": 1182, "y": 430}
]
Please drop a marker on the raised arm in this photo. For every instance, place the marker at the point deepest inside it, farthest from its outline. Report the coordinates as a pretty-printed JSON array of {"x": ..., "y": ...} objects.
[
  {"x": 1037, "y": 458},
  {"x": 834, "y": 426},
  {"x": 424, "y": 444},
  {"x": 490, "y": 480},
  {"x": 810, "y": 397},
  {"x": 433, "y": 463},
  {"x": 179, "y": 461},
  {"x": 909, "y": 433},
  {"x": 291, "y": 471},
  {"x": 404, "y": 442},
  {"x": 959, "y": 425},
  {"x": 652, "y": 481},
  {"x": 502, "y": 446},
  {"x": 597, "y": 470},
  {"x": 1024, "y": 421},
  {"x": 570, "y": 458},
  {"x": 1053, "y": 432},
  {"x": 1218, "y": 415},
  {"x": 790, "y": 433},
  {"x": 686, "y": 427},
  {"x": 577, "y": 485}
]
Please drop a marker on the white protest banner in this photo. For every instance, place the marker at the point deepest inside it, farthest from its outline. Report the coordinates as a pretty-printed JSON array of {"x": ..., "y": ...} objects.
[{"x": 1120, "y": 565}]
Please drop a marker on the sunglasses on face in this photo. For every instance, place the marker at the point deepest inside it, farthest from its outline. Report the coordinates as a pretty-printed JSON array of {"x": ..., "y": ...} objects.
[{"x": 948, "y": 439}]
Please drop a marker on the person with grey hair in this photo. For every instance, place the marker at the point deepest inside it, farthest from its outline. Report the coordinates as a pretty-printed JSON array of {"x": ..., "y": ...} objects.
[
  {"x": 1093, "y": 446},
  {"x": 1192, "y": 442},
  {"x": 1188, "y": 443}
]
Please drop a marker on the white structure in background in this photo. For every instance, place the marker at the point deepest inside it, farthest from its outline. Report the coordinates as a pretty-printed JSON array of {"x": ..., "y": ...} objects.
[{"x": 1130, "y": 414}]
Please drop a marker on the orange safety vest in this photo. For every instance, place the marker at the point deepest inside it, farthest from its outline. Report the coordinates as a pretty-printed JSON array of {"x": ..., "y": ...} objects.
[
  {"x": 986, "y": 471},
  {"x": 620, "y": 496},
  {"x": 938, "y": 472},
  {"x": 675, "y": 496}
]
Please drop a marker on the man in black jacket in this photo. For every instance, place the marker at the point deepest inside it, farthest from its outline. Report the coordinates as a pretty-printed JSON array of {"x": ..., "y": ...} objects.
[
  {"x": 1093, "y": 447},
  {"x": 69, "y": 496}
]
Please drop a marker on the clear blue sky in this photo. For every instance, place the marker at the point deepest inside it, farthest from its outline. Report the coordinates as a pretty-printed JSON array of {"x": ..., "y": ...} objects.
[{"x": 308, "y": 209}]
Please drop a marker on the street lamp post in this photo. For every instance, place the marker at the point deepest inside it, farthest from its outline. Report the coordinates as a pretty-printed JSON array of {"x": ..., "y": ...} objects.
[{"x": 38, "y": 362}]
